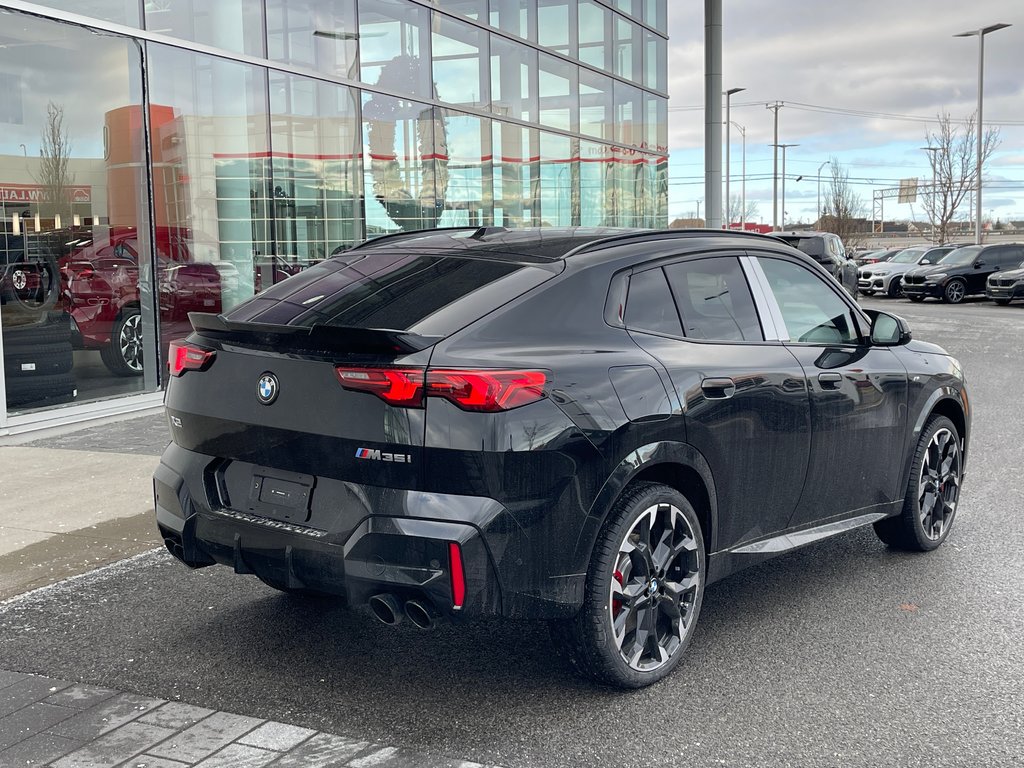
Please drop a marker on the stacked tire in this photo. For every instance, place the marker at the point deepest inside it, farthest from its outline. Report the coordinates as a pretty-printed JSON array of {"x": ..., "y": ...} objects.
[{"x": 38, "y": 361}]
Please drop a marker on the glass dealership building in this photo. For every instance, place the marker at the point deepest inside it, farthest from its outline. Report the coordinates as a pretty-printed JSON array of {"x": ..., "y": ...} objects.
[{"x": 165, "y": 156}]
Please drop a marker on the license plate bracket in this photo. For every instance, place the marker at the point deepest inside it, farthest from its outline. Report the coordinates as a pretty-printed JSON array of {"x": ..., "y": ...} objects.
[{"x": 280, "y": 495}]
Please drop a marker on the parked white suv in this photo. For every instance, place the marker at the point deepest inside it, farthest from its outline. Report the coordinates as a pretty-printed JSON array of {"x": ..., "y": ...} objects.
[{"x": 887, "y": 276}]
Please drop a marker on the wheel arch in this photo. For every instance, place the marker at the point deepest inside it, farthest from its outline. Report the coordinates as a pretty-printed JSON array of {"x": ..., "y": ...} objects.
[
  {"x": 677, "y": 465},
  {"x": 949, "y": 402}
]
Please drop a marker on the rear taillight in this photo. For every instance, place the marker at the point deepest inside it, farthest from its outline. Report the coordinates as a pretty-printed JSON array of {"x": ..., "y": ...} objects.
[
  {"x": 186, "y": 357},
  {"x": 471, "y": 390},
  {"x": 457, "y": 575}
]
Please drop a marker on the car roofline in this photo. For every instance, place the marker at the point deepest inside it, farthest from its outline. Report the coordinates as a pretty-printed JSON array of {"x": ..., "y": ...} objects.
[{"x": 646, "y": 235}]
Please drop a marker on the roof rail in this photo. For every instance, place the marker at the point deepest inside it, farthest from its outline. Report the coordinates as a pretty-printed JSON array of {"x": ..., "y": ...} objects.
[
  {"x": 663, "y": 234},
  {"x": 398, "y": 236}
]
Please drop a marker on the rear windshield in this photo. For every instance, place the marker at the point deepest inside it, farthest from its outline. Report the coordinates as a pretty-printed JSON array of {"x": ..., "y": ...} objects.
[
  {"x": 433, "y": 294},
  {"x": 812, "y": 246}
]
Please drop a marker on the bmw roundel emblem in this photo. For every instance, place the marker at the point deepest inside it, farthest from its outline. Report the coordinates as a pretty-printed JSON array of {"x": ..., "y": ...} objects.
[{"x": 267, "y": 388}]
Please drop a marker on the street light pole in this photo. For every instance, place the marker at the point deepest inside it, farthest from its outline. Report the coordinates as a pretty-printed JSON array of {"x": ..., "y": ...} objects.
[
  {"x": 726, "y": 218},
  {"x": 775, "y": 164},
  {"x": 783, "y": 147},
  {"x": 981, "y": 92},
  {"x": 743, "y": 178},
  {"x": 818, "y": 222},
  {"x": 934, "y": 163}
]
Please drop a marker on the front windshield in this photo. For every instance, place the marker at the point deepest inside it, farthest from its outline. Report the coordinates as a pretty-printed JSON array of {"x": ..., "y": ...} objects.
[
  {"x": 908, "y": 256},
  {"x": 961, "y": 256}
]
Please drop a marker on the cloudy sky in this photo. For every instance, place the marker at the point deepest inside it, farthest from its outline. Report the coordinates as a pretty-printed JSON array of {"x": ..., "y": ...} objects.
[{"x": 895, "y": 59}]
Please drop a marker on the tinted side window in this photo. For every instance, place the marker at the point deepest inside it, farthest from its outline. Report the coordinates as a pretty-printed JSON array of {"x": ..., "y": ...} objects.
[
  {"x": 714, "y": 300},
  {"x": 812, "y": 311},
  {"x": 649, "y": 305}
]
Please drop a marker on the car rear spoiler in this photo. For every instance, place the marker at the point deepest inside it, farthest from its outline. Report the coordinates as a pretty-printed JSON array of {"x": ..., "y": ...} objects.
[{"x": 316, "y": 338}]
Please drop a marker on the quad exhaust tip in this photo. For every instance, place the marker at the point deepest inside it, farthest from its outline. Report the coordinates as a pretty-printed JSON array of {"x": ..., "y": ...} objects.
[{"x": 385, "y": 607}]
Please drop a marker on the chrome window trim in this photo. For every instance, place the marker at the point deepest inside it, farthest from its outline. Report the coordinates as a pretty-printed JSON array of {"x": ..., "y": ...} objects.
[{"x": 767, "y": 307}]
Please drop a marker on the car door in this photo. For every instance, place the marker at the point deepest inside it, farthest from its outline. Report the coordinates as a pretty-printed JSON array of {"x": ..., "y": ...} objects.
[
  {"x": 857, "y": 392},
  {"x": 744, "y": 398}
]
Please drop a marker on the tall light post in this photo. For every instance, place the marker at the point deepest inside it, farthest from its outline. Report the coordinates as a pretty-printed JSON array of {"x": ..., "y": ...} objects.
[
  {"x": 818, "y": 222},
  {"x": 743, "y": 178},
  {"x": 981, "y": 92},
  {"x": 728, "y": 168},
  {"x": 934, "y": 163},
  {"x": 784, "y": 147}
]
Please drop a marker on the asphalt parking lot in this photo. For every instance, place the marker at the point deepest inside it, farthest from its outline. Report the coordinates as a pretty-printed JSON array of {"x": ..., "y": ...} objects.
[{"x": 844, "y": 653}]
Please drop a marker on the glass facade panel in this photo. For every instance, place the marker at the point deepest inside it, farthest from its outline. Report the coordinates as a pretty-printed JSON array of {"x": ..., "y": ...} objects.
[
  {"x": 556, "y": 25},
  {"x": 473, "y": 9},
  {"x": 628, "y": 124},
  {"x": 655, "y": 61},
  {"x": 559, "y": 180},
  {"x": 594, "y": 34},
  {"x": 628, "y": 53},
  {"x": 319, "y": 34},
  {"x": 515, "y": 175},
  {"x": 595, "y": 104},
  {"x": 118, "y": 11},
  {"x": 595, "y": 165},
  {"x": 405, "y": 164},
  {"x": 73, "y": 218},
  {"x": 559, "y": 93},
  {"x": 513, "y": 80},
  {"x": 394, "y": 38},
  {"x": 469, "y": 196},
  {"x": 315, "y": 194},
  {"x": 460, "y": 63},
  {"x": 515, "y": 17},
  {"x": 214, "y": 200},
  {"x": 234, "y": 25}
]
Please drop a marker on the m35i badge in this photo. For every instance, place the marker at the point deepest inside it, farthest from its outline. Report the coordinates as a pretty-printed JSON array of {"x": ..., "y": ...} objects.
[{"x": 267, "y": 388}]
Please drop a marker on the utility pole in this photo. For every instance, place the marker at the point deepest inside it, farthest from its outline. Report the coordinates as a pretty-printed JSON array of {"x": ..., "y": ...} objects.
[
  {"x": 818, "y": 222},
  {"x": 783, "y": 147},
  {"x": 726, "y": 218},
  {"x": 775, "y": 164},
  {"x": 743, "y": 179}
]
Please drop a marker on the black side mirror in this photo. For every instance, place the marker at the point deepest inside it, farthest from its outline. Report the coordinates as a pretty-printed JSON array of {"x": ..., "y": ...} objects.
[
  {"x": 888, "y": 330},
  {"x": 978, "y": 264}
]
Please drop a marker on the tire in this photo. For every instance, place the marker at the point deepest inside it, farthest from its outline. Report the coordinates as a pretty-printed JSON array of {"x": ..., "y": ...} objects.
[
  {"x": 38, "y": 360},
  {"x": 55, "y": 328},
  {"x": 955, "y": 291},
  {"x": 895, "y": 289},
  {"x": 868, "y": 293},
  {"x": 33, "y": 285},
  {"x": 1001, "y": 302},
  {"x": 664, "y": 585},
  {"x": 916, "y": 299},
  {"x": 123, "y": 355},
  {"x": 41, "y": 390},
  {"x": 921, "y": 526}
]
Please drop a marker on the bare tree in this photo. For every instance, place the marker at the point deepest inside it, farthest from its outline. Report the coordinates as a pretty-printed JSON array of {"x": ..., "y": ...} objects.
[
  {"x": 736, "y": 212},
  {"x": 54, "y": 153},
  {"x": 843, "y": 210},
  {"x": 953, "y": 158}
]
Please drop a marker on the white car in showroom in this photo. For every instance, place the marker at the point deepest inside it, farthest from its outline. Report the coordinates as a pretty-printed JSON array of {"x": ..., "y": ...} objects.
[{"x": 887, "y": 276}]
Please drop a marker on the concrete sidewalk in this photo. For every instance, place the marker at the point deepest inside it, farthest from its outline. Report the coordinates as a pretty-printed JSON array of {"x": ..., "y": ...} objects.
[{"x": 71, "y": 504}]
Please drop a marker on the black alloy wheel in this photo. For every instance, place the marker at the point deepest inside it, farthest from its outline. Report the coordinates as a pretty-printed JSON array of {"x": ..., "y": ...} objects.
[
  {"x": 895, "y": 287},
  {"x": 956, "y": 290},
  {"x": 644, "y": 590},
  {"x": 916, "y": 299},
  {"x": 34, "y": 285},
  {"x": 868, "y": 292},
  {"x": 123, "y": 356},
  {"x": 933, "y": 490}
]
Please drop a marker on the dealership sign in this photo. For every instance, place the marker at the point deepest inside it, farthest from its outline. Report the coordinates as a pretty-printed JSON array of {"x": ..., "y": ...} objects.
[{"x": 35, "y": 193}]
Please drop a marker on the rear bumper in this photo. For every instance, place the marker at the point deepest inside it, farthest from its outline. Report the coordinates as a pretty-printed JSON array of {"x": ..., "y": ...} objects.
[{"x": 380, "y": 540}]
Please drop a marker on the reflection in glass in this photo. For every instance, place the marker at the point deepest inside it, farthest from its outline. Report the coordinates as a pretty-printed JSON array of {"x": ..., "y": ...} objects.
[
  {"x": 559, "y": 96},
  {"x": 234, "y": 25},
  {"x": 559, "y": 180},
  {"x": 469, "y": 197},
  {"x": 473, "y": 9},
  {"x": 594, "y": 31},
  {"x": 513, "y": 78},
  {"x": 316, "y": 175},
  {"x": 556, "y": 25},
  {"x": 655, "y": 61},
  {"x": 515, "y": 17},
  {"x": 72, "y": 194},
  {"x": 628, "y": 54},
  {"x": 406, "y": 164},
  {"x": 459, "y": 54},
  {"x": 629, "y": 121},
  {"x": 595, "y": 104},
  {"x": 319, "y": 34},
  {"x": 118, "y": 11},
  {"x": 394, "y": 42},
  {"x": 516, "y": 175},
  {"x": 212, "y": 191}
]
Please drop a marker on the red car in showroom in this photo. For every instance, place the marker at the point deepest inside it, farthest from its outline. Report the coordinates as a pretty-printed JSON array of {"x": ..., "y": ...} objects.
[{"x": 100, "y": 290}]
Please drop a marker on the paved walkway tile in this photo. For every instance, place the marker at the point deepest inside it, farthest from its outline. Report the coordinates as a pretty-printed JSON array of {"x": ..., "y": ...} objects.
[{"x": 46, "y": 723}]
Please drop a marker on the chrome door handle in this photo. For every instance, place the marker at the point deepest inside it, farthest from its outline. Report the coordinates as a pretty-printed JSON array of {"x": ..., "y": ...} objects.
[
  {"x": 830, "y": 380},
  {"x": 718, "y": 389}
]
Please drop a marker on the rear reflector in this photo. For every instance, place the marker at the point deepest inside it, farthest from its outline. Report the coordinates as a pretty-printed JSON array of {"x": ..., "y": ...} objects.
[
  {"x": 458, "y": 577},
  {"x": 472, "y": 390},
  {"x": 186, "y": 357}
]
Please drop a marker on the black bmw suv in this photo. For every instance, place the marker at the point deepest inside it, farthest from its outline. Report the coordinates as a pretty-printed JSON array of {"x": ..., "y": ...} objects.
[
  {"x": 962, "y": 272},
  {"x": 585, "y": 426}
]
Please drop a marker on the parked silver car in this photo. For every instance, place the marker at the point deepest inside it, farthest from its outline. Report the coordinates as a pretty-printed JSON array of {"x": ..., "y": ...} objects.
[{"x": 887, "y": 276}]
